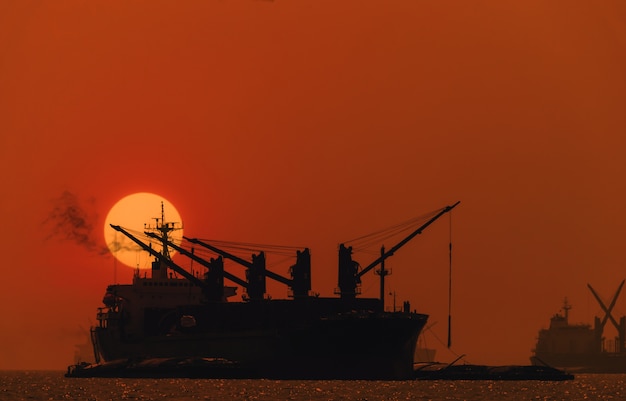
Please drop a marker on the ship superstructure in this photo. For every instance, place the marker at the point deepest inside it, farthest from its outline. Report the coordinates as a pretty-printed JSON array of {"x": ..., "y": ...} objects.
[{"x": 176, "y": 314}]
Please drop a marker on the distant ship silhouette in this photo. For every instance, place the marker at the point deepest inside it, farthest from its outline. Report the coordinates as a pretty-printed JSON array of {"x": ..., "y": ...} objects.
[{"x": 580, "y": 347}]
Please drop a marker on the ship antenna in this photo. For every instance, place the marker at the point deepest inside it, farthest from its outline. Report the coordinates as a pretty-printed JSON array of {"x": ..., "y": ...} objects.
[
  {"x": 164, "y": 228},
  {"x": 162, "y": 213}
]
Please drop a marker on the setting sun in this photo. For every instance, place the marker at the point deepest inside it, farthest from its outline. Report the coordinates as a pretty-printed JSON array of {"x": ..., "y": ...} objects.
[{"x": 136, "y": 213}]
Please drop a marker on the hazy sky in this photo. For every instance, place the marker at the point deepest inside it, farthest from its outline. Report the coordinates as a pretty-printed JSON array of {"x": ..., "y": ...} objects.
[{"x": 309, "y": 123}]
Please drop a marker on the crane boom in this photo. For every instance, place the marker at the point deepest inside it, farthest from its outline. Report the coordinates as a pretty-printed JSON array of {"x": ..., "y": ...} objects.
[
  {"x": 239, "y": 260},
  {"x": 225, "y": 254},
  {"x": 608, "y": 310},
  {"x": 349, "y": 274},
  {"x": 405, "y": 240},
  {"x": 198, "y": 259},
  {"x": 162, "y": 258}
]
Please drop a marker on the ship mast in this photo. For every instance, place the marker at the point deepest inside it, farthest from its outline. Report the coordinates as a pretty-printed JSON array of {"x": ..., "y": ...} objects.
[
  {"x": 566, "y": 308},
  {"x": 159, "y": 269}
]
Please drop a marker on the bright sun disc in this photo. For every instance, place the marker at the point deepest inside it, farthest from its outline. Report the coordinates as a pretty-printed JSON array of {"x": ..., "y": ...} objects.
[{"x": 134, "y": 213}]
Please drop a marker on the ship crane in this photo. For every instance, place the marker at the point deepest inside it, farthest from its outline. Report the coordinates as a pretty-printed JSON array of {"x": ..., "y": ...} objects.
[
  {"x": 599, "y": 325},
  {"x": 215, "y": 275},
  {"x": 300, "y": 283},
  {"x": 350, "y": 277},
  {"x": 212, "y": 287},
  {"x": 162, "y": 258}
]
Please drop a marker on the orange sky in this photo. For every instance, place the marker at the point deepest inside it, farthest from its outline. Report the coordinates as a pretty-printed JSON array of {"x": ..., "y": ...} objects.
[{"x": 312, "y": 122}]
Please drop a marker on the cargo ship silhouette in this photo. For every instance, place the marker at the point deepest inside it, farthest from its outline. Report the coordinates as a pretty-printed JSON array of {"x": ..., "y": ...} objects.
[
  {"x": 178, "y": 323},
  {"x": 580, "y": 347}
]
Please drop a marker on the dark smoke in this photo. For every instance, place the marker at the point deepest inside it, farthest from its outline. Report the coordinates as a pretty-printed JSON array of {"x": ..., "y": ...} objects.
[
  {"x": 70, "y": 221},
  {"x": 123, "y": 244}
]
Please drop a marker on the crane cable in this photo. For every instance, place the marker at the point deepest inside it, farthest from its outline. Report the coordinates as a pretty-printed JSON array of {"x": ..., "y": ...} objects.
[
  {"x": 374, "y": 238},
  {"x": 450, "y": 285}
]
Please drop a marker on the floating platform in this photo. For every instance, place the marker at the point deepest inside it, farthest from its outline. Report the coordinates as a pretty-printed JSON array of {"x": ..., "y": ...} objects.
[
  {"x": 161, "y": 368},
  {"x": 441, "y": 371},
  {"x": 214, "y": 368}
]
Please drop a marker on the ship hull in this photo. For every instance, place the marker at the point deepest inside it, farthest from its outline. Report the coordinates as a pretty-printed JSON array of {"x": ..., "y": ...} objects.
[{"x": 281, "y": 339}]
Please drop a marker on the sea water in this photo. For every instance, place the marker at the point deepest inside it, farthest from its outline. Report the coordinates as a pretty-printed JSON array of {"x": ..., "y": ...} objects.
[{"x": 51, "y": 385}]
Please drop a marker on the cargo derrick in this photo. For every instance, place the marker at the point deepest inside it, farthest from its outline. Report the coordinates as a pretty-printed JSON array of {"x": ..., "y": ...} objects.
[
  {"x": 599, "y": 325},
  {"x": 213, "y": 285},
  {"x": 215, "y": 272},
  {"x": 349, "y": 274},
  {"x": 162, "y": 258},
  {"x": 256, "y": 272}
]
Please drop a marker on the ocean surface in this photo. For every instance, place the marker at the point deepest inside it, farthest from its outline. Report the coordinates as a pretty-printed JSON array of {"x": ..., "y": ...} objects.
[{"x": 51, "y": 385}]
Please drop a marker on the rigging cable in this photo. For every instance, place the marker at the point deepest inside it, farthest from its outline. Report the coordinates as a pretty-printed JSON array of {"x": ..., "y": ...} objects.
[
  {"x": 429, "y": 329},
  {"x": 363, "y": 242},
  {"x": 450, "y": 285}
]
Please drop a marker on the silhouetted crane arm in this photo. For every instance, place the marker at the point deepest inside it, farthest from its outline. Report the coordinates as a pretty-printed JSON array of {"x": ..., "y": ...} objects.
[
  {"x": 167, "y": 261},
  {"x": 225, "y": 254},
  {"x": 608, "y": 310},
  {"x": 239, "y": 260},
  {"x": 198, "y": 259},
  {"x": 407, "y": 239},
  {"x": 278, "y": 277}
]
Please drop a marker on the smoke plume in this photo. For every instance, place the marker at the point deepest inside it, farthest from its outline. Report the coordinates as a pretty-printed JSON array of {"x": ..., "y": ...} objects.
[{"x": 70, "y": 221}]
